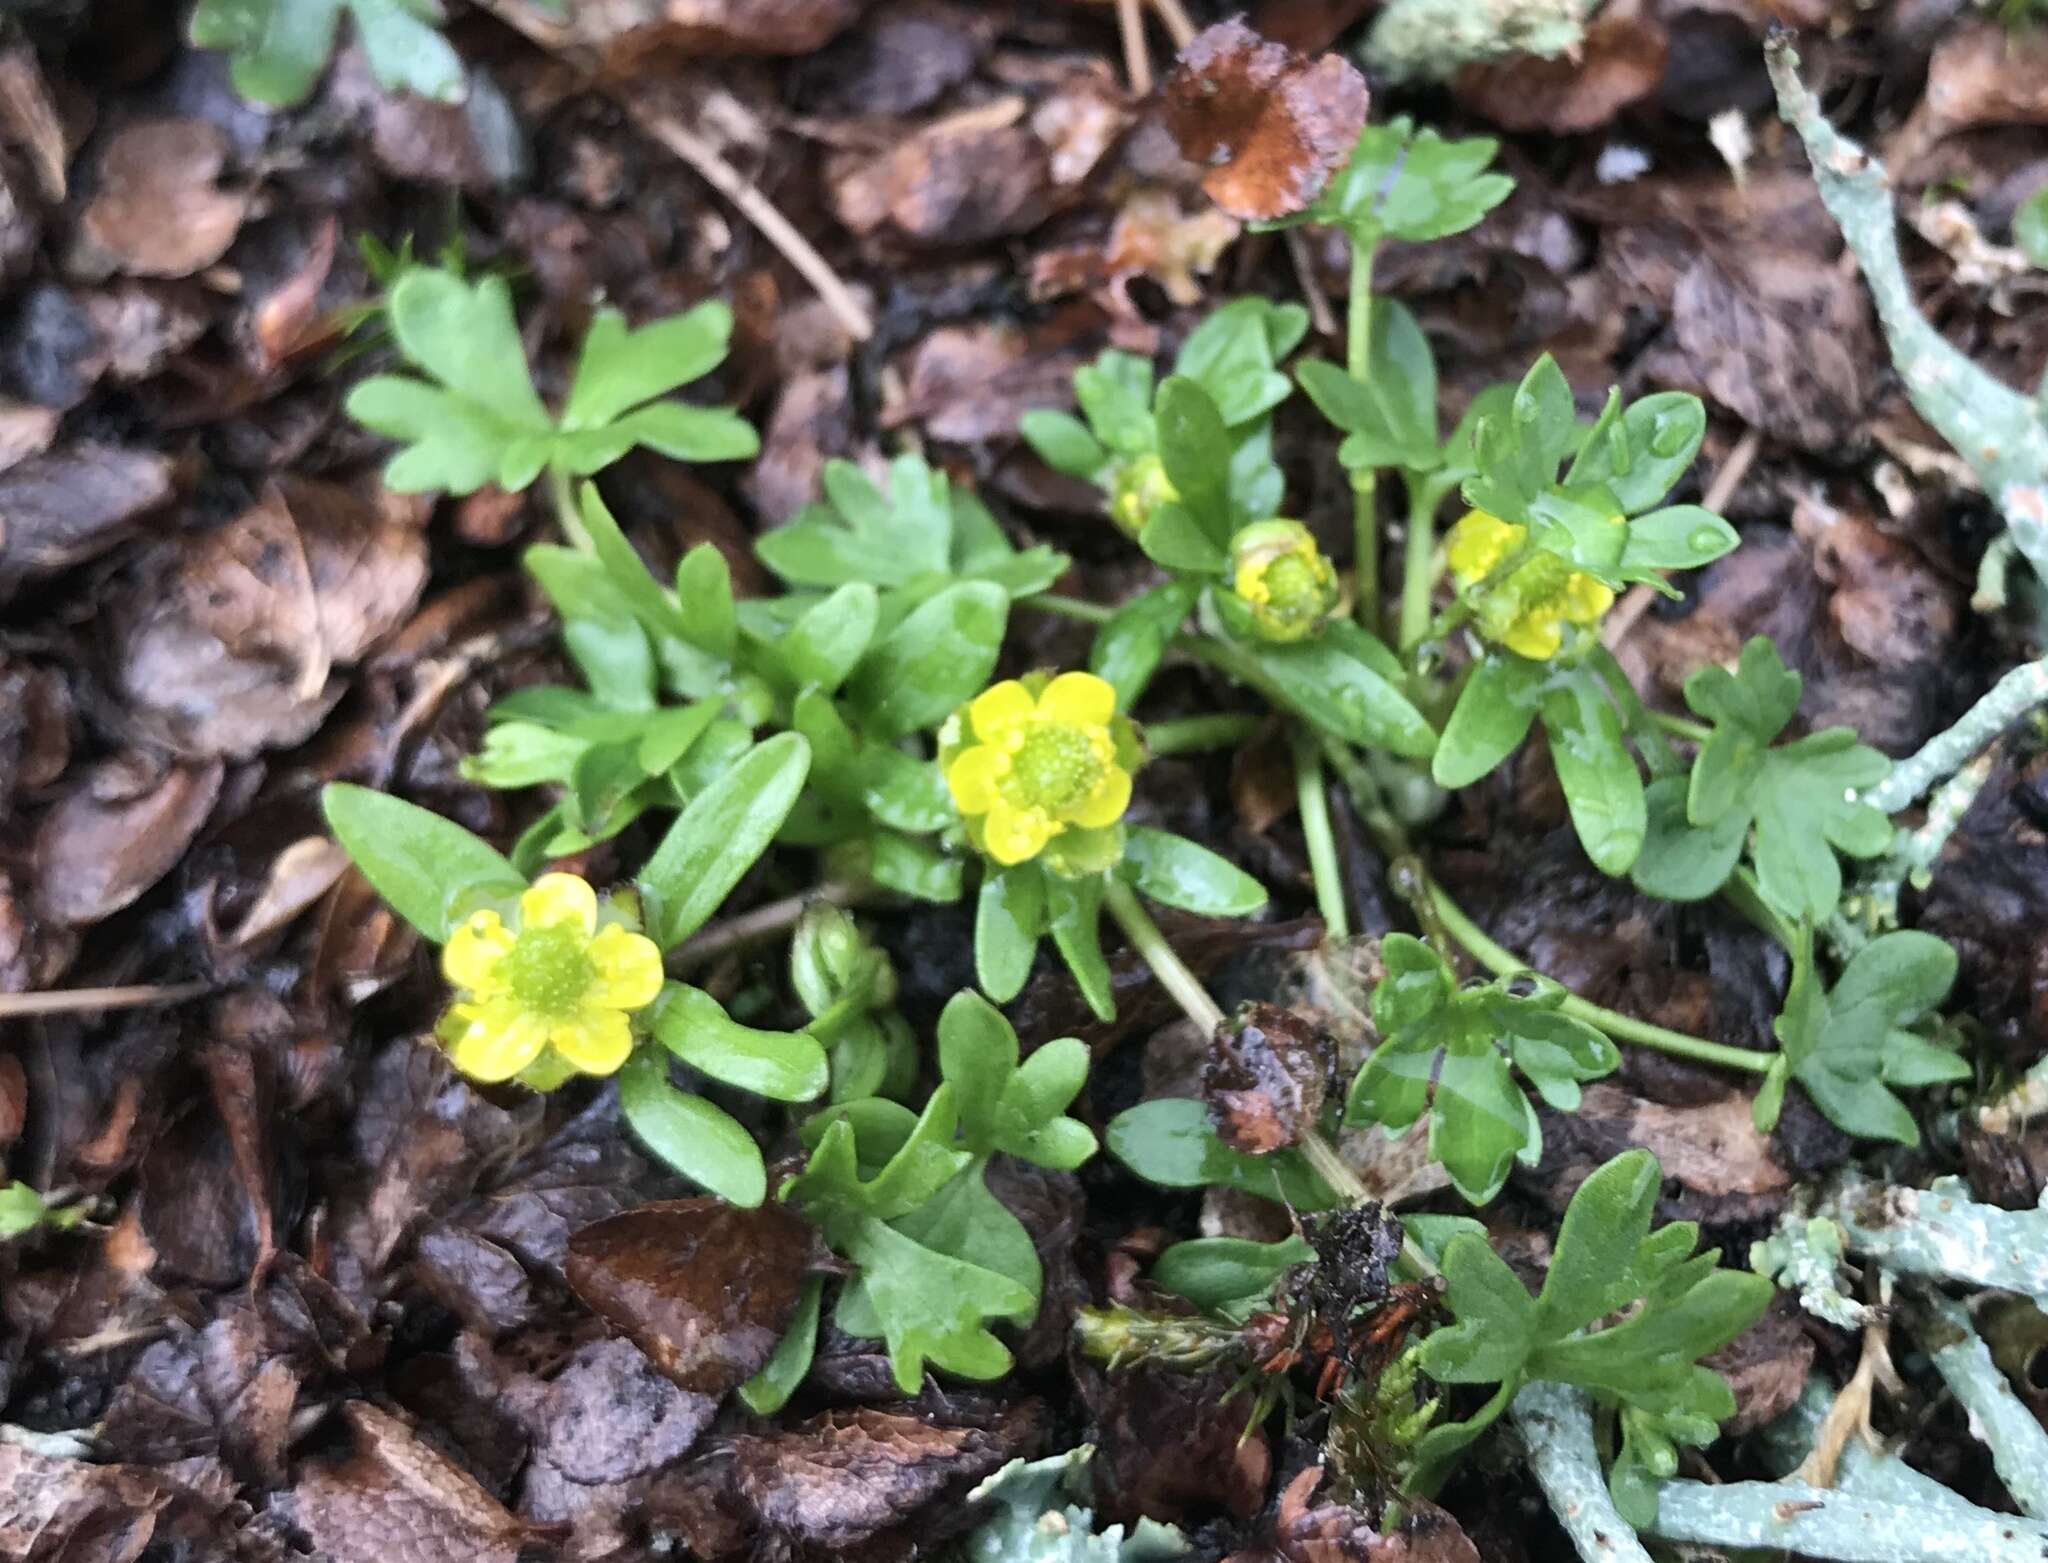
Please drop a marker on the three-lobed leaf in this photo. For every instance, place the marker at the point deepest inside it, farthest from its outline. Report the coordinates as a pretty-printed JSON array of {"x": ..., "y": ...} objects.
[{"x": 1450, "y": 1052}]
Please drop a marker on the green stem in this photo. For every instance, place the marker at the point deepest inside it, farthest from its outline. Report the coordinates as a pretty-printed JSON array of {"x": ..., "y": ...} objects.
[
  {"x": 1365, "y": 510},
  {"x": 1067, "y": 607},
  {"x": 1121, "y": 902},
  {"x": 1623, "y": 1027},
  {"x": 1314, "y": 803},
  {"x": 1367, "y": 799},
  {"x": 1679, "y": 727},
  {"x": 1418, "y": 559},
  {"x": 1196, "y": 734},
  {"x": 562, "y": 493}
]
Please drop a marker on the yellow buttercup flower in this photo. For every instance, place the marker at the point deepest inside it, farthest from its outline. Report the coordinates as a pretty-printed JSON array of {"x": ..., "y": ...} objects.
[
  {"x": 1282, "y": 577},
  {"x": 550, "y": 997},
  {"x": 1138, "y": 489},
  {"x": 1529, "y": 610},
  {"x": 1030, "y": 760}
]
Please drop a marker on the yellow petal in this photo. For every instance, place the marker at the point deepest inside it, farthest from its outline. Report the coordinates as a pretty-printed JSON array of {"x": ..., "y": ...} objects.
[
  {"x": 1585, "y": 598},
  {"x": 1478, "y": 543},
  {"x": 1536, "y": 635},
  {"x": 973, "y": 776},
  {"x": 594, "y": 1039},
  {"x": 1013, "y": 835},
  {"x": 559, "y": 898},
  {"x": 1079, "y": 698},
  {"x": 497, "y": 1040},
  {"x": 628, "y": 967},
  {"x": 473, "y": 952},
  {"x": 999, "y": 710},
  {"x": 1106, "y": 804}
]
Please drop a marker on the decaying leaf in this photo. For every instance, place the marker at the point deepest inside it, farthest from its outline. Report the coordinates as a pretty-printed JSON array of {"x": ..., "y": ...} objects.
[
  {"x": 609, "y": 1416},
  {"x": 1265, "y": 1078},
  {"x": 703, "y": 1288},
  {"x": 1270, "y": 126},
  {"x": 116, "y": 832},
  {"x": 840, "y": 1478},
  {"x": 159, "y": 209},
  {"x": 394, "y": 1499},
  {"x": 1620, "y": 62},
  {"x": 67, "y": 505}
]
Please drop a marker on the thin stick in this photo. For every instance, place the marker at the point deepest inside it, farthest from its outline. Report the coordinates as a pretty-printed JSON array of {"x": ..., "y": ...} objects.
[
  {"x": 1719, "y": 492},
  {"x": 71, "y": 1001},
  {"x": 710, "y": 165},
  {"x": 1180, "y": 26},
  {"x": 1320, "y": 314},
  {"x": 753, "y": 928},
  {"x": 1130, "y": 26}
]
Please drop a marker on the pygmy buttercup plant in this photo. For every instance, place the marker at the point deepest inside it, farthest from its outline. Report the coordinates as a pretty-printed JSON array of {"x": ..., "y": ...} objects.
[
  {"x": 1042, "y": 760},
  {"x": 1529, "y": 608},
  {"x": 1280, "y": 576},
  {"x": 550, "y": 995}
]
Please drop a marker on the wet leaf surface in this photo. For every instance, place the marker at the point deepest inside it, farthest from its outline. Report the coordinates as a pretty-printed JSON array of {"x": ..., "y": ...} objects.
[{"x": 704, "y": 1289}]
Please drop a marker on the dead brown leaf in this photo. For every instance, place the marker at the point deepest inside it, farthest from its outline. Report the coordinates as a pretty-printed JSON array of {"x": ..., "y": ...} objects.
[
  {"x": 1153, "y": 236},
  {"x": 71, "y": 504},
  {"x": 840, "y": 1478},
  {"x": 1270, "y": 125},
  {"x": 1172, "y": 1444},
  {"x": 965, "y": 384},
  {"x": 228, "y": 641},
  {"x": 116, "y": 831},
  {"x": 1339, "y": 1533},
  {"x": 637, "y": 35},
  {"x": 1782, "y": 339},
  {"x": 610, "y": 1416},
  {"x": 976, "y": 175},
  {"x": 703, "y": 1288},
  {"x": 1265, "y": 1078},
  {"x": 29, "y": 120},
  {"x": 158, "y": 209},
  {"x": 396, "y": 1500},
  {"x": 1766, "y": 1365},
  {"x": 1620, "y": 62},
  {"x": 1982, "y": 73}
]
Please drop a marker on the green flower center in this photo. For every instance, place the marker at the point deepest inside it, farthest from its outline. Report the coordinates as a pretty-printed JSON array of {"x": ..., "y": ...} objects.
[
  {"x": 1055, "y": 769},
  {"x": 548, "y": 969},
  {"x": 1294, "y": 587}
]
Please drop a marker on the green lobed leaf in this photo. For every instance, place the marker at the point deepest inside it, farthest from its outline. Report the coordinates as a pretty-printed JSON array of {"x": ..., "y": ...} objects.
[
  {"x": 1074, "y": 919},
  {"x": 1063, "y": 442},
  {"x": 768, "y": 1391},
  {"x": 1339, "y": 681},
  {"x": 1492, "y": 717},
  {"x": 786, "y": 1066},
  {"x": 620, "y": 368},
  {"x": 1602, "y": 787},
  {"x": 1009, "y": 919}
]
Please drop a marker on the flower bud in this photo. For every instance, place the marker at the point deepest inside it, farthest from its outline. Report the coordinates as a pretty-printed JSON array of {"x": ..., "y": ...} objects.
[
  {"x": 1138, "y": 489},
  {"x": 1280, "y": 575}
]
